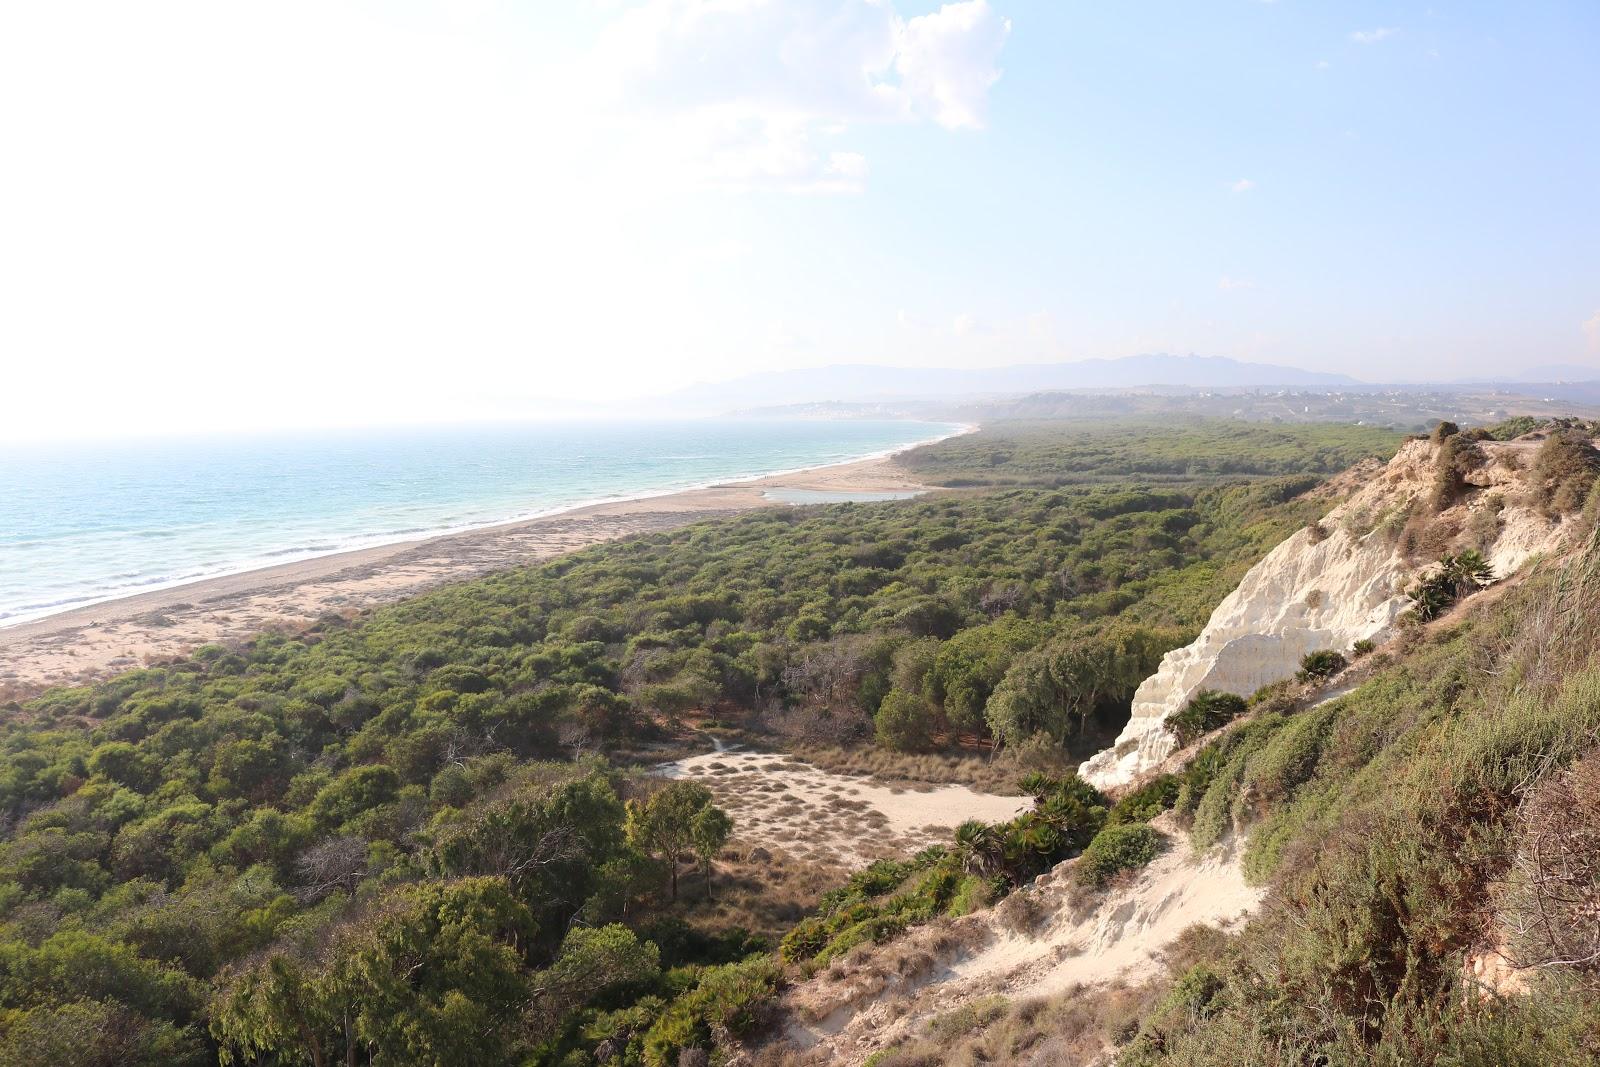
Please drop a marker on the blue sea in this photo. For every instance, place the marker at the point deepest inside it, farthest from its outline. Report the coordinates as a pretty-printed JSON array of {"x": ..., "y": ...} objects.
[{"x": 87, "y": 522}]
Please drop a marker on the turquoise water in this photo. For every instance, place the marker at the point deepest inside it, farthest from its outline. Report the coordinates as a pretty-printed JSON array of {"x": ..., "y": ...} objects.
[{"x": 89, "y": 522}]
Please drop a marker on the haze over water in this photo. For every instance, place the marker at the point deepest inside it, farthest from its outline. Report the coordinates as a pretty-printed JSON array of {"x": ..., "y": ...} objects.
[{"x": 81, "y": 523}]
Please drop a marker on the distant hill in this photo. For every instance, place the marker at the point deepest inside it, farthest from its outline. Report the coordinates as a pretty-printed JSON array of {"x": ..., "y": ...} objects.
[{"x": 868, "y": 382}]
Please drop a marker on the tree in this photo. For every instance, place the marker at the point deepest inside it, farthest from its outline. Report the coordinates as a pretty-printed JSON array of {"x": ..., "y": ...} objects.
[
  {"x": 969, "y": 665},
  {"x": 434, "y": 974},
  {"x": 904, "y": 722},
  {"x": 592, "y": 961},
  {"x": 95, "y": 1033},
  {"x": 1059, "y": 686},
  {"x": 664, "y": 825},
  {"x": 549, "y": 842},
  {"x": 708, "y": 832}
]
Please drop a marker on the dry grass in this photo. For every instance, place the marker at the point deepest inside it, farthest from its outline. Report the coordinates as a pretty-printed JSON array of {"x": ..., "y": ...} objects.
[
  {"x": 766, "y": 891},
  {"x": 1078, "y": 1027},
  {"x": 999, "y": 773}
]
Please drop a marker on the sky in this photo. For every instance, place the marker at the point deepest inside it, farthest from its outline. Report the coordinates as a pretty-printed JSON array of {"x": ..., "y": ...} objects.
[{"x": 219, "y": 215}]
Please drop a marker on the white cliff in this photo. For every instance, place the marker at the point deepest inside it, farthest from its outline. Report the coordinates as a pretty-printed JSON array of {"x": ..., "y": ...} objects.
[{"x": 1330, "y": 586}]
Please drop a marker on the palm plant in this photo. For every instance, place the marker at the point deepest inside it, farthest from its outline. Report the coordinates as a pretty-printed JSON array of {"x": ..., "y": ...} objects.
[{"x": 979, "y": 847}]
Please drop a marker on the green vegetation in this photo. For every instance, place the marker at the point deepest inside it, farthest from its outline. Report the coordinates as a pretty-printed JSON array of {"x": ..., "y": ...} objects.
[
  {"x": 1180, "y": 449},
  {"x": 397, "y": 838},
  {"x": 1316, "y": 666},
  {"x": 1116, "y": 849},
  {"x": 1206, "y": 711},
  {"x": 884, "y": 900},
  {"x": 1456, "y": 576}
]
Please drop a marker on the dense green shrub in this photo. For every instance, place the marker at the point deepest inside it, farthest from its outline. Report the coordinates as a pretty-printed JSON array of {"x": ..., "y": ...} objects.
[
  {"x": 1146, "y": 802},
  {"x": 1114, "y": 849},
  {"x": 1456, "y": 576}
]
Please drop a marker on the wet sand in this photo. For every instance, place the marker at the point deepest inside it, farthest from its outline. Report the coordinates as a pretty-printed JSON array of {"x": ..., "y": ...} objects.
[{"x": 104, "y": 639}]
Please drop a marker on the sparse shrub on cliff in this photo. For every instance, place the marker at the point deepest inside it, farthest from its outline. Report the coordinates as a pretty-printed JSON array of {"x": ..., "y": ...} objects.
[
  {"x": 1391, "y": 523},
  {"x": 1591, "y": 509},
  {"x": 1315, "y": 666},
  {"x": 1484, "y": 524},
  {"x": 1457, "y": 457},
  {"x": 1207, "y": 710},
  {"x": 1564, "y": 471},
  {"x": 1361, "y": 648},
  {"x": 1513, "y": 427},
  {"x": 1457, "y": 576}
]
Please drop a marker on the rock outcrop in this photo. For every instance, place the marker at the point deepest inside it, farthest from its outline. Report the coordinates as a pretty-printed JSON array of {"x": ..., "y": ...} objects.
[{"x": 1337, "y": 582}]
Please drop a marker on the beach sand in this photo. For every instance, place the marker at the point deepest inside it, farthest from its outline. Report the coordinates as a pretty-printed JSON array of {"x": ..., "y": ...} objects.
[{"x": 104, "y": 639}]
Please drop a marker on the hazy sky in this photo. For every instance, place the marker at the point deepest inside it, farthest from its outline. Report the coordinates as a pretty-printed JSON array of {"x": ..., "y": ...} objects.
[{"x": 219, "y": 214}]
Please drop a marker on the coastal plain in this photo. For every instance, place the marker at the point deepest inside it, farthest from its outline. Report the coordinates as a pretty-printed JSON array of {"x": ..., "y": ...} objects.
[{"x": 103, "y": 639}]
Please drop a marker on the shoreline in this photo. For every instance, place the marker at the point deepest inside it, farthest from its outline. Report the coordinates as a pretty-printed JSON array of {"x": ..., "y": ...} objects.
[
  {"x": 398, "y": 538},
  {"x": 93, "y": 641}
]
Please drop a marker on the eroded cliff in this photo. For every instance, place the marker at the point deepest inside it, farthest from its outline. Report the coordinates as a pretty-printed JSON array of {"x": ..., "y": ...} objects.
[{"x": 1345, "y": 579}]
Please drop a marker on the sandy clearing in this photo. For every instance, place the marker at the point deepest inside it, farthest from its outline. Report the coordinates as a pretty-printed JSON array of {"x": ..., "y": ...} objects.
[{"x": 840, "y": 819}]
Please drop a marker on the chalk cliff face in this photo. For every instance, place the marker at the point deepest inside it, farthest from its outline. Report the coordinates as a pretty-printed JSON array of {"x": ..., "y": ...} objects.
[{"x": 1331, "y": 586}]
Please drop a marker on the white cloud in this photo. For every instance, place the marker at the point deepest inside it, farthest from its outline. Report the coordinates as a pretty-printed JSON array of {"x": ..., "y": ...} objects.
[
  {"x": 947, "y": 60},
  {"x": 1382, "y": 33},
  {"x": 741, "y": 94},
  {"x": 1243, "y": 185},
  {"x": 963, "y": 325},
  {"x": 1591, "y": 331},
  {"x": 1323, "y": 64},
  {"x": 1227, "y": 284}
]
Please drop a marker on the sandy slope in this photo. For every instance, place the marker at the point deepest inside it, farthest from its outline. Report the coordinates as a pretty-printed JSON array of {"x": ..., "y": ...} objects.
[
  {"x": 845, "y": 1014},
  {"x": 105, "y": 638}
]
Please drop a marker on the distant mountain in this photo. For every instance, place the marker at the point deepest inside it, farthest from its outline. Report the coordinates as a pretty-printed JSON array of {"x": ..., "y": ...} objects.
[{"x": 868, "y": 382}]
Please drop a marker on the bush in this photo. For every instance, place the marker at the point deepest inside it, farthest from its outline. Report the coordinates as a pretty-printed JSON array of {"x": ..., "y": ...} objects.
[
  {"x": 1145, "y": 803},
  {"x": 1316, "y": 666},
  {"x": 1457, "y": 576},
  {"x": 1116, "y": 849},
  {"x": 1565, "y": 469},
  {"x": 1207, "y": 710}
]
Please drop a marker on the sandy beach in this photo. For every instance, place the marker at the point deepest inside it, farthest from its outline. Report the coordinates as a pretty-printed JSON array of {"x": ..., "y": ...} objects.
[{"x": 104, "y": 639}]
